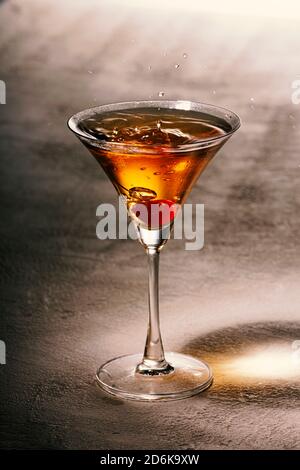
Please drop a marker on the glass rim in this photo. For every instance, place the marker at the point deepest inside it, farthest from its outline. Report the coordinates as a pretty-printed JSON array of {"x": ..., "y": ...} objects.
[{"x": 230, "y": 118}]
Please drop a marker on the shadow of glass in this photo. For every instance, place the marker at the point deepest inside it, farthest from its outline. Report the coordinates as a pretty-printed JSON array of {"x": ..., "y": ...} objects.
[{"x": 256, "y": 363}]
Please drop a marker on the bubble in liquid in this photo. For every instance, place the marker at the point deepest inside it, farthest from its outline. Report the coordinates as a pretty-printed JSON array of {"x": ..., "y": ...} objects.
[
  {"x": 170, "y": 172},
  {"x": 184, "y": 55},
  {"x": 143, "y": 168},
  {"x": 161, "y": 94},
  {"x": 142, "y": 194},
  {"x": 156, "y": 173},
  {"x": 166, "y": 179}
]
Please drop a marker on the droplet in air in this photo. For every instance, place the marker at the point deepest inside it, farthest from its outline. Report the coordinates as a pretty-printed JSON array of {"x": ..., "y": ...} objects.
[
  {"x": 142, "y": 194},
  {"x": 252, "y": 103},
  {"x": 161, "y": 94},
  {"x": 184, "y": 55}
]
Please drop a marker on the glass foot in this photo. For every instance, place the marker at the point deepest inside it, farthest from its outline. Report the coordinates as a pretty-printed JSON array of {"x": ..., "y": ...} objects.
[{"x": 189, "y": 377}]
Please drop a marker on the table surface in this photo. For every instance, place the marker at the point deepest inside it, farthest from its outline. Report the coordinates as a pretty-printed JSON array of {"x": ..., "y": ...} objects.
[{"x": 69, "y": 301}]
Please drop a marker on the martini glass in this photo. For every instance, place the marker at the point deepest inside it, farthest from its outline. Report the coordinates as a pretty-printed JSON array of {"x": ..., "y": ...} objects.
[{"x": 153, "y": 152}]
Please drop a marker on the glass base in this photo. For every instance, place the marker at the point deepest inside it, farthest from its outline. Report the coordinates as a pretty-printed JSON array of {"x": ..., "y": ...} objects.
[{"x": 189, "y": 377}]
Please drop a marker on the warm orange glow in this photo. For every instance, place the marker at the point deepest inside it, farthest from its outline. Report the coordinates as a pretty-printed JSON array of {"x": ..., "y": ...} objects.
[{"x": 273, "y": 362}]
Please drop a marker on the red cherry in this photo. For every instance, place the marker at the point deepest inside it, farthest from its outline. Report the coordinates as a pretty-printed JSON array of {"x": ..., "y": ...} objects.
[{"x": 155, "y": 213}]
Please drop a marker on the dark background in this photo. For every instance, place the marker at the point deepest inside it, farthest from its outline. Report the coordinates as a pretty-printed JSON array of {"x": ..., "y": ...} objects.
[{"x": 69, "y": 301}]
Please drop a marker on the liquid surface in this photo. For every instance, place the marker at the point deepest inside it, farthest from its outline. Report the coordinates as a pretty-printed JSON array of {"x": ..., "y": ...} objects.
[{"x": 163, "y": 176}]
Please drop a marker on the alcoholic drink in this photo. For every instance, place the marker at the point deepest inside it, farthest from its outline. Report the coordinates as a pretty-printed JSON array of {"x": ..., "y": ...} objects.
[
  {"x": 153, "y": 152},
  {"x": 153, "y": 156}
]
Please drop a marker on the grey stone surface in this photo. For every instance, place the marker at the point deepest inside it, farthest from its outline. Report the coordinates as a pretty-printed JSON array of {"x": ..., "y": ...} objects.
[{"x": 70, "y": 302}]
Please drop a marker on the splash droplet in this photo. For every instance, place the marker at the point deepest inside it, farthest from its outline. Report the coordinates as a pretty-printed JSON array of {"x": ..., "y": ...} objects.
[{"x": 158, "y": 125}]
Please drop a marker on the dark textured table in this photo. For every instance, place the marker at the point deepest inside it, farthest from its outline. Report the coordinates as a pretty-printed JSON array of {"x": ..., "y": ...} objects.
[{"x": 70, "y": 302}]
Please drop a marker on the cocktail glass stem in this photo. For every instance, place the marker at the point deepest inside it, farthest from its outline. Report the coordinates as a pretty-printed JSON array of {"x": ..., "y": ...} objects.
[{"x": 153, "y": 362}]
